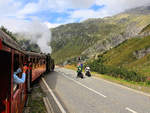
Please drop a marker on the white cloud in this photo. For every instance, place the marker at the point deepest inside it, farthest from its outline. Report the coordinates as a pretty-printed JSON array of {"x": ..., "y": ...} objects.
[
  {"x": 84, "y": 14},
  {"x": 67, "y": 4},
  {"x": 9, "y": 7},
  {"x": 79, "y": 3},
  {"x": 117, "y": 6},
  {"x": 50, "y": 25}
]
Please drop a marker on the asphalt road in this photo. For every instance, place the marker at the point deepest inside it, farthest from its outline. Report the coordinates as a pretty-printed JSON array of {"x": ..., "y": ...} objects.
[{"x": 94, "y": 95}]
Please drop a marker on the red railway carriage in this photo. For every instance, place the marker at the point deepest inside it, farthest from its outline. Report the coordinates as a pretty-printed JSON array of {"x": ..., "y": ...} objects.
[
  {"x": 37, "y": 62},
  {"x": 13, "y": 96}
]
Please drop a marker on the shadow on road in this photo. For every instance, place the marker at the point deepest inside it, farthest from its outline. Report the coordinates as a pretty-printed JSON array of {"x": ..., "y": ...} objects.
[{"x": 51, "y": 79}]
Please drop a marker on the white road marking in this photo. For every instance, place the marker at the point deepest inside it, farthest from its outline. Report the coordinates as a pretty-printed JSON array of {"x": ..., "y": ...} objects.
[
  {"x": 85, "y": 86},
  {"x": 130, "y": 110},
  {"x": 55, "y": 98},
  {"x": 125, "y": 87}
]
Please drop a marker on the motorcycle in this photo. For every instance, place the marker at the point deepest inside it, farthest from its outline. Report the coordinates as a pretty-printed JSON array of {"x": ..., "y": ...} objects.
[
  {"x": 79, "y": 74},
  {"x": 87, "y": 71}
]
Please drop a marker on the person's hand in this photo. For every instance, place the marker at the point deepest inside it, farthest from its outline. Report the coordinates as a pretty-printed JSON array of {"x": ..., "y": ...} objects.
[{"x": 24, "y": 69}]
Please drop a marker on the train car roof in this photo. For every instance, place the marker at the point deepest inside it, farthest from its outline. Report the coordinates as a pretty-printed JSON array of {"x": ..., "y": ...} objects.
[
  {"x": 7, "y": 40},
  {"x": 34, "y": 54}
]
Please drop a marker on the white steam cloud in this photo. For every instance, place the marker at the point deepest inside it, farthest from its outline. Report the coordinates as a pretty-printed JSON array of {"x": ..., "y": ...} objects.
[{"x": 38, "y": 33}]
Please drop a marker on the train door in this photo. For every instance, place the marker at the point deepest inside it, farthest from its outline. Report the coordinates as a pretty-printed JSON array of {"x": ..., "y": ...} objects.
[{"x": 5, "y": 81}]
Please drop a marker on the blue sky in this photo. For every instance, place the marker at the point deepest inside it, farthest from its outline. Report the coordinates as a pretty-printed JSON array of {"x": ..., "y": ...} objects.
[
  {"x": 57, "y": 12},
  {"x": 56, "y": 15}
]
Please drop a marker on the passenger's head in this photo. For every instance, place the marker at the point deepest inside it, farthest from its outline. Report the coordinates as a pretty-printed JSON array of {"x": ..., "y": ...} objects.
[{"x": 18, "y": 68}]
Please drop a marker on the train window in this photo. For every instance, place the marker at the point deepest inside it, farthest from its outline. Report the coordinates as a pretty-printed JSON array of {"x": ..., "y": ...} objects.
[
  {"x": 31, "y": 60},
  {"x": 33, "y": 63},
  {"x": 22, "y": 59},
  {"x": 37, "y": 62},
  {"x": 26, "y": 58},
  {"x": 41, "y": 61},
  {"x": 16, "y": 66},
  {"x": 5, "y": 72}
]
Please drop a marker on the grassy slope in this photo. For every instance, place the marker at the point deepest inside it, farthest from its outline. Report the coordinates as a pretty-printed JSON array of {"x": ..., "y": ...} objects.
[{"x": 123, "y": 55}]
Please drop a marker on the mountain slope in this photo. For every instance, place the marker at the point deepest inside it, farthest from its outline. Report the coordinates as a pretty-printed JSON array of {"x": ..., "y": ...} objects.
[
  {"x": 95, "y": 36},
  {"x": 133, "y": 54}
]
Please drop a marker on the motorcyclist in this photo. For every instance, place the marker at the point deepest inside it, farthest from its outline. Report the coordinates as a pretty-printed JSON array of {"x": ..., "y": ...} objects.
[
  {"x": 79, "y": 71},
  {"x": 87, "y": 71}
]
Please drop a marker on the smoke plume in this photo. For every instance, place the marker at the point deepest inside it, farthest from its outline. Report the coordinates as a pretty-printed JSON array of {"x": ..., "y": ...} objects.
[{"x": 38, "y": 33}]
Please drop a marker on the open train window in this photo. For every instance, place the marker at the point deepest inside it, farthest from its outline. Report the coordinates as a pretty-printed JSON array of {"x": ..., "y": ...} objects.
[
  {"x": 33, "y": 63},
  {"x": 16, "y": 66},
  {"x": 41, "y": 62},
  {"x": 26, "y": 59},
  {"x": 31, "y": 60},
  {"x": 22, "y": 59},
  {"x": 5, "y": 80},
  {"x": 37, "y": 62}
]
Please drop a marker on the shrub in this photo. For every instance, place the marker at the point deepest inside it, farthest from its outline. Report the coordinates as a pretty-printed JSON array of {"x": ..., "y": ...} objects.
[
  {"x": 148, "y": 80},
  {"x": 118, "y": 72}
]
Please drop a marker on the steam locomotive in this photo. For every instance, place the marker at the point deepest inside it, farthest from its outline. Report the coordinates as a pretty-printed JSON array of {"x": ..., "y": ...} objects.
[{"x": 13, "y": 96}]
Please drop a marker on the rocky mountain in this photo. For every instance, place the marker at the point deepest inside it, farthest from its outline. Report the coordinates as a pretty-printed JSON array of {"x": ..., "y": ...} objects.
[
  {"x": 95, "y": 36},
  {"x": 139, "y": 10}
]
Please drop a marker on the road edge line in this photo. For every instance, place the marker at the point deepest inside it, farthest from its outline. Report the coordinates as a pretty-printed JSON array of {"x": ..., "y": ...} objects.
[
  {"x": 130, "y": 110},
  {"x": 54, "y": 97}
]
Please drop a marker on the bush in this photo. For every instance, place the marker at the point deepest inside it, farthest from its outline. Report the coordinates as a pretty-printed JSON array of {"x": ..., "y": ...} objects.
[
  {"x": 118, "y": 72},
  {"x": 148, "y": 80}
]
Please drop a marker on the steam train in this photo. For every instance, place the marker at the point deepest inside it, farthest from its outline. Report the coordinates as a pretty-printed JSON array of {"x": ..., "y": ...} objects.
[{"x": 13, "y": 96}]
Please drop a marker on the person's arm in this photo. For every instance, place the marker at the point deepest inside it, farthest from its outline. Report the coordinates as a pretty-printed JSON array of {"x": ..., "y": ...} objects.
[{"x": 19, "y": 80}]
